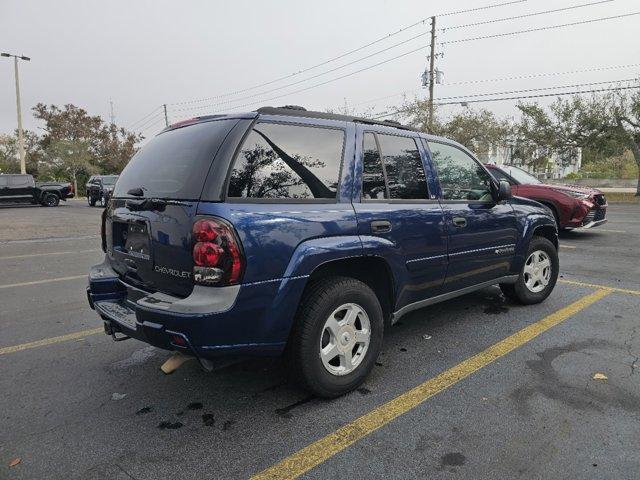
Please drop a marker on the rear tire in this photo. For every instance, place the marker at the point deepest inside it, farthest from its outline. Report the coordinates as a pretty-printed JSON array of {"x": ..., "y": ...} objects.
[
  {"x": 538, "y": 275},
  {"x": 50, "y": 200},
  {"x": 337, "y": 336}
]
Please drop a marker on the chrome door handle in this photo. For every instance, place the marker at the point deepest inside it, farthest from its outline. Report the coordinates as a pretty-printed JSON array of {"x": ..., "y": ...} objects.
[
  {"x": 380, "y": 226},
  {"x": 460, "y": 222}
]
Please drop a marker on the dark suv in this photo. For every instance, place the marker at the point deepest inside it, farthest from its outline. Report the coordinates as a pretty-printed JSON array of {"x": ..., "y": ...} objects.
[
  {"x": 306, "y": 233},
  {"x": 100, "y": 188},
  {"x": 15, "y": 188}
]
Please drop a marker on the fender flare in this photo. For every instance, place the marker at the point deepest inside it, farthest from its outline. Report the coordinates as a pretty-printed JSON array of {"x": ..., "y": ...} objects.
[
  {"x": 310, "y": 255},
  {"x": 532, "y": 222}
]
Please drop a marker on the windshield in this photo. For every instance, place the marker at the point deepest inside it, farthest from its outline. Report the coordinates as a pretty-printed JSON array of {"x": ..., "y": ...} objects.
[
  {"x": 520, "y": 175},
  {"x": 109, "y": 180},
  {"x": 174, "y": 164}
]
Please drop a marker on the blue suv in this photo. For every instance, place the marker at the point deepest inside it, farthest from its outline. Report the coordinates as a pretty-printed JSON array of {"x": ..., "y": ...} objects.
[{"x": 286, "y": 231}]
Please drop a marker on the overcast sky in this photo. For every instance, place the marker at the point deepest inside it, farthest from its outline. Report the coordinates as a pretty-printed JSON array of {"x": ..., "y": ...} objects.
[{"x": 142, "y": 54}]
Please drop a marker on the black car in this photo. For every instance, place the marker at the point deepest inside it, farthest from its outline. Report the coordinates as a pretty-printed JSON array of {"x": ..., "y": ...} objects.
[
  {"x": 100, "y": 188},
  {"x": 24, "y": 189}
]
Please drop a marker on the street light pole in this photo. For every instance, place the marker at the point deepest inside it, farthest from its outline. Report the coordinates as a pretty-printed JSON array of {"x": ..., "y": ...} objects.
[{"x": 21, "y": 150}]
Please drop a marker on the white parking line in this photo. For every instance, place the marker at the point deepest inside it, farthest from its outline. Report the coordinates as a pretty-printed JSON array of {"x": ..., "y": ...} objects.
[
  {"x": 567, "y": 246},
  {"x": 38, "y": 282},
  {"x": 610, "y": 231},
  {"x": 13, "y": 257}
]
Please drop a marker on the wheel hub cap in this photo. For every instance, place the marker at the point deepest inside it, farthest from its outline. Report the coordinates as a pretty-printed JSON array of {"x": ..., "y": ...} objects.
[
  {"x": 345, "y": 339},
  {"x": 537, "y": 271}
]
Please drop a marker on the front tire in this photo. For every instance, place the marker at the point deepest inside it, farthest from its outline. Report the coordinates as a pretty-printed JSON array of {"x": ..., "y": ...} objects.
[
  {"x": 337, "y": 336},
  {"x": 50, "y": 200},
  {"x": 538, "y": 276}
]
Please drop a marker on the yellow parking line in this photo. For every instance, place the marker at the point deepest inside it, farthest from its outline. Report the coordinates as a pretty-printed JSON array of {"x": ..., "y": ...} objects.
[
  {"x": 326, "y": 447},
  {"x": 51, "y": 341},
  {"x": 47, "y": 254},
  {"x": 38, "y": 282},
  {"x": 594, "y": 285}
]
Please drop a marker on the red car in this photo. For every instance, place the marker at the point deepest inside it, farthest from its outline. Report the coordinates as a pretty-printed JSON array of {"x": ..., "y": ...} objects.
[{"x": 573, "y": 206}]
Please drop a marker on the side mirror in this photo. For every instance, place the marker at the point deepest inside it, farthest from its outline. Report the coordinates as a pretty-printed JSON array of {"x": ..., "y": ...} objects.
[{"x": 504, "y": 190}]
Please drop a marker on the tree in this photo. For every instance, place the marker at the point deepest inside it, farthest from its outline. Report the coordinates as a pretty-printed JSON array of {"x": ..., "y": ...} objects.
[
  {"x": 9, "y": 159},
  {"x": 605, "y": 125},
  {"x": 626, "y": 114},
  {"x": 109, "y": 147},
  {"x": 70, "y": 157},
  {"x": 478, "y": 130}
]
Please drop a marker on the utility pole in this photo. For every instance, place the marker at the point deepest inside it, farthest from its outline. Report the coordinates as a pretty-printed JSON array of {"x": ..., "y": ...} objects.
[
  {"x": 166, "y": 117},
  {"x": 432, "y": 72},
  {"x": 23, "y": 165},
  {"x": 113, "y": 116}
]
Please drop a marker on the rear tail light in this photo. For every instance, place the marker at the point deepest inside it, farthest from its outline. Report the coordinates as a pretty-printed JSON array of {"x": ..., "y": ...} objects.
[{"x": 217, "y": 256}]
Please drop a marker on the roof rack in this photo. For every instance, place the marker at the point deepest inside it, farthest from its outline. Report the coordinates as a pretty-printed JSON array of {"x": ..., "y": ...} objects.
[{"x": 297, "y": 111}]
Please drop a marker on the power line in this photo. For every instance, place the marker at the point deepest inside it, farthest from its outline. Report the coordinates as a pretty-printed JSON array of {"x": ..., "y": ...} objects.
[
  {"x": 525, "y": 15},
  {"x": 416, "y": 50},
  {"x": 519, "y": 97},
  {"x": 536, "y": 89},
  {"x": 281, "y": 87},
  {"x": 143, "y": 118},
  {"x": 152, "y": 120},
  {"x": 224, "y": 102},
  {"x": 381, "y": 39},
  {"x": 538, "y": 29},
  {"x": 318, "y": 84},
  {"x": 500, "y": 79}
]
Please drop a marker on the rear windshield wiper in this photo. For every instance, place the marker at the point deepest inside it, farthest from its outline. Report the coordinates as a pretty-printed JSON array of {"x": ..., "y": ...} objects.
[{"x": 157, "y": 204}]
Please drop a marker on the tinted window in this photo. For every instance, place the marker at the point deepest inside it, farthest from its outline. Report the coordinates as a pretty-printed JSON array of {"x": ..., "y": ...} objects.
[
  {"x": 175, "y": 163},
  {"x": 288, "y": 161},
  {"x": 373, "y": 184},
  {"x": 403, "y": 166},
  {"x": 20, "y": 181},
  {"x": 109, "y": 180},
  {"x": 499, "y": 175},
  {"x": 461, "y": 177}
]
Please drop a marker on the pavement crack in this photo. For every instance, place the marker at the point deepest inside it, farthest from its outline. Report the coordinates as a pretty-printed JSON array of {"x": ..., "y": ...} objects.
[
  {"x": 634, "y": 357},
  {"x": 125, "y": 472}
]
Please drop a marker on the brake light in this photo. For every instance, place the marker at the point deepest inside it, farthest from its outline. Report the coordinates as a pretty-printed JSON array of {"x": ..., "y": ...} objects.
[{"x": 217, "y": 256}]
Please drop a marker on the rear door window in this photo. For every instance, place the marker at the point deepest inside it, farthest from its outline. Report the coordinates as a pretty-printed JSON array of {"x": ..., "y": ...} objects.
[
  {"x": 374, "y": 186},
  {"x": 403, "y": 168},
  {"x": 175, "y": 163},
  {"x": 3, "y": 181},
  {"x": 279, "y": 161},
  {"x": 20, "y": 181}
]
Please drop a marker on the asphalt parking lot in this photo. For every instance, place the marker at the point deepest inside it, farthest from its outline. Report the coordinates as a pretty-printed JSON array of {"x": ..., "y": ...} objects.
[{"x": 473, "y": 388}]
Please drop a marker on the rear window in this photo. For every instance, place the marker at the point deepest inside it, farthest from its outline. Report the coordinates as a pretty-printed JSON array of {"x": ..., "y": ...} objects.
[
  {"x": 288, "y": 162},
  {"x": 175, "y": 163}
]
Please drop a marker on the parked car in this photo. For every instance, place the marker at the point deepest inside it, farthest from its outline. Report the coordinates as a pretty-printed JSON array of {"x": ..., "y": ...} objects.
[
  {"x": 285, "y": 231},
  {"x": 572, "y": 206},
  {"x": 100, "y": 188},
  {"x": 24, "y": 189}
]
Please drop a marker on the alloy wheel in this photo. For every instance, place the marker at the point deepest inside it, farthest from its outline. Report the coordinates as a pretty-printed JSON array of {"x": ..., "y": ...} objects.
[
  {"x": 537, "y": 271},
  {"x": 345, "y": 339}
]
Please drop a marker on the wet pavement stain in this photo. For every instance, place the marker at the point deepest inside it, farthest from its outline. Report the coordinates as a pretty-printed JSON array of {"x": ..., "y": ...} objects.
[
  {"x": 453, "y": 459},
  {"x": 144, "y": 410},
  {"x": 208, "y": 420},
  {"x": 169, "y": 425},
  {"x": 228, "y": 425},
  {"x": 495, "y": 305},
  {"x": 363, "y": 391},
  {"x": 286, "y": 411},
  {"x": 550, "y": 384},
  {"x": 194, "y": 406},
  {"x": 403, "y": 349},
  {"x": 379, "y": 364}
]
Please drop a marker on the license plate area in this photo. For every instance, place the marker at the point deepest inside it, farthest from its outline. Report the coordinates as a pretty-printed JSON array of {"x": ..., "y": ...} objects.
[{"x": 132, "y": 239}]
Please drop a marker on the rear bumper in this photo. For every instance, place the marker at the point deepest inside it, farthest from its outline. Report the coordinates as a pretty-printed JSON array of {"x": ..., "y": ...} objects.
[{"x": 250, "y": 319}]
